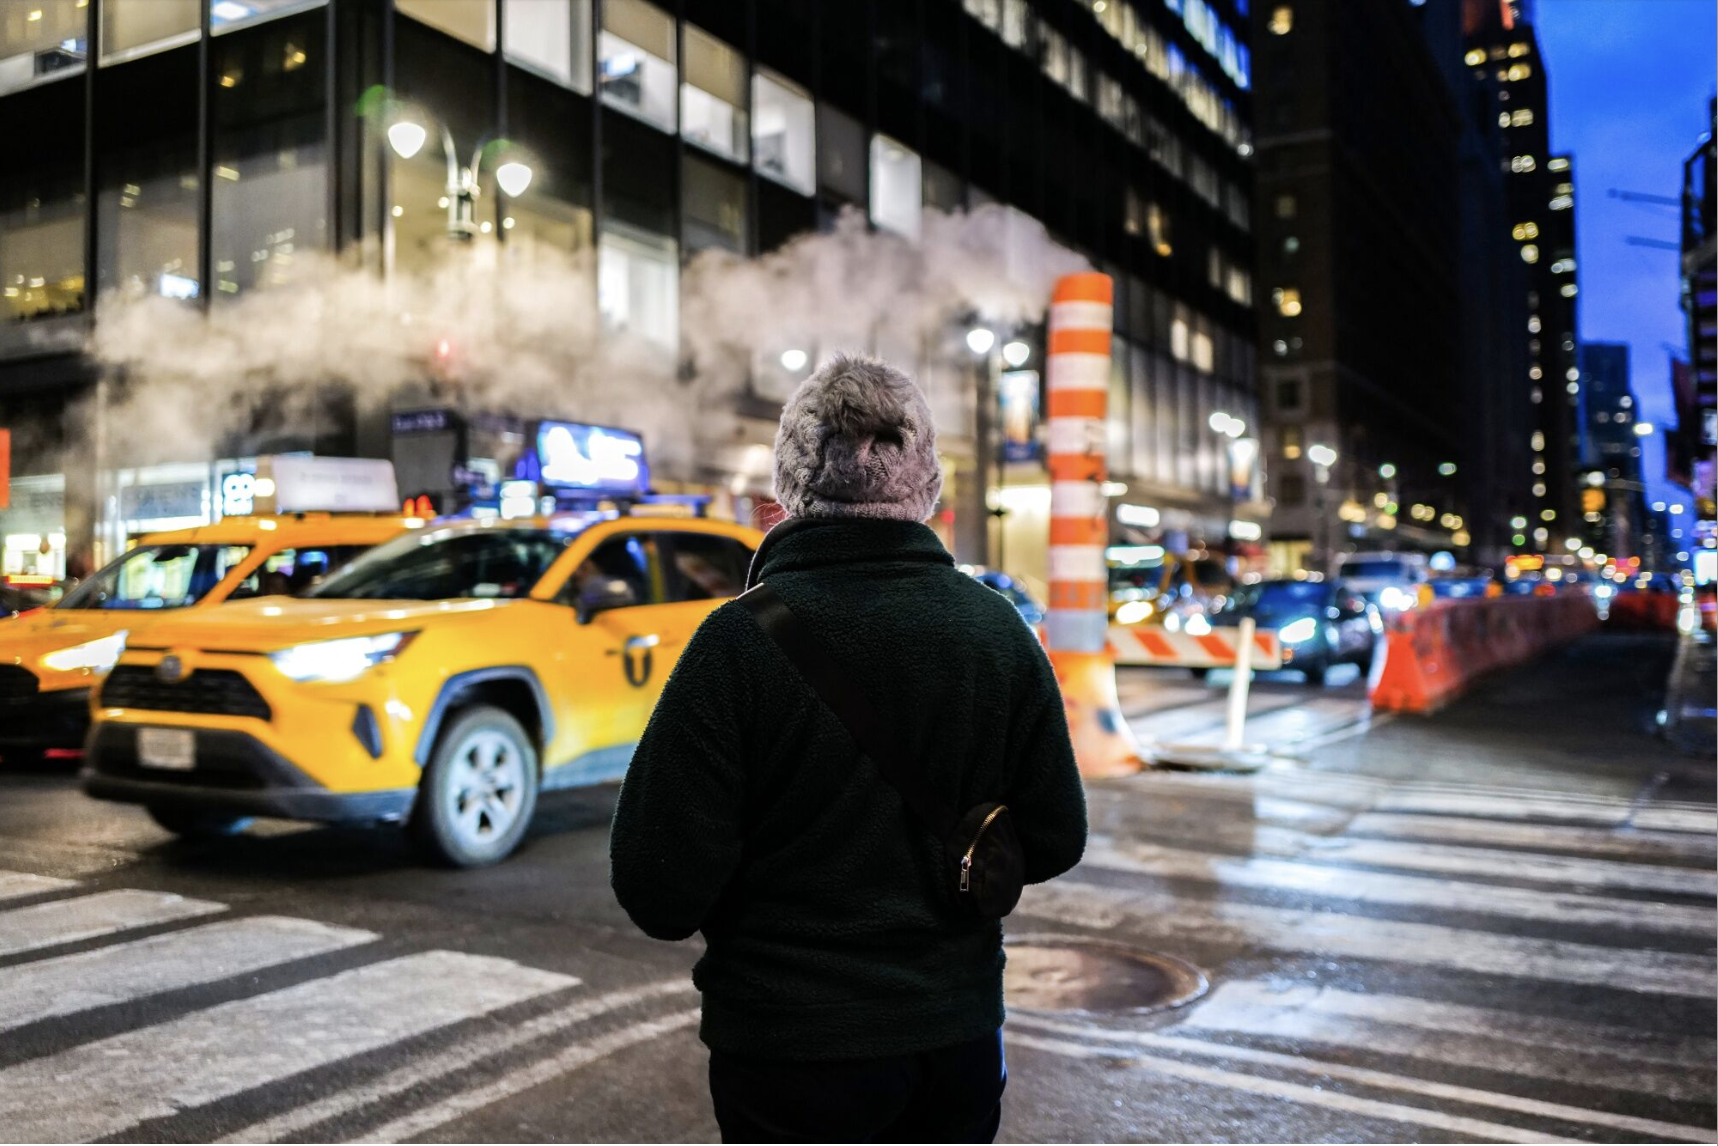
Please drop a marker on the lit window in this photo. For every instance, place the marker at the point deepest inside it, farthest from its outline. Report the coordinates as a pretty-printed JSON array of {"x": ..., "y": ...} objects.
[
  {"x": 1603, "y": 417},
  {"x": 1558, "y": 163},
  {"x": 1530, "y": 252},
  {"x": 1282, "y": 20},
  {"x": 1533, "y": 324},
  {"x": 1521, "y": 164},
  {"x": 550, "y": 37},
  {"x": 1475, "y": 57},
  {"x": 1539, "y": 467},
  {"x": 1563, "y": 267},
  {"x": 713, "y": 98},
  {"x": 50, "y": 43},
  {"x": 897, "y": 187},
  {"x": 1286, "y": 206},
  {"x": 1548, "y": 515},
  {"x": 638, "y": 283},
  {"x": 136, "y": 27},
  {"x": 470, "y": 20},
  {"x": 1563, "y": 189},
  {"x": 1178, "y": 338},
  {"x": 1520, "y": 71},
  {"x": 1538, "y": 441},
  {"x": 635, "y": 61},
  {"x": 1523, "y": 231},
  {"x": 1567, "y": 290},
  {"x": 1503, "y": 119},
  {"x": 1562, "y": 202},
  {"x": 1287, "y": 300},
  {"x": 1157, "y": 227},
  {"x": 1538, "y": 489},
  {"x": 1291, "y": 244},
  {"x": 783, "y": 131},
  {"x": 1521, "y": 118},
  {"x": 1518, "y": 49},
  {"x": 1204, "y": 352}
]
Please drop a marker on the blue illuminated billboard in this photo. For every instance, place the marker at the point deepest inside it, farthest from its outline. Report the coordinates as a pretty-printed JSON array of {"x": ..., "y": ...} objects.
[{"x": 601, "y": 459}]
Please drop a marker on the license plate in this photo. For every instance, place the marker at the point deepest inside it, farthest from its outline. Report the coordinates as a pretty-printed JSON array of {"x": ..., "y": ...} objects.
[{"x": 174, "y": 748}]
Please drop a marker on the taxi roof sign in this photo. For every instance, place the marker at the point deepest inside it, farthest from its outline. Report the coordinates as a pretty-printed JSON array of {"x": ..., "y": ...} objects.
[{"x": 297, "y": 483}]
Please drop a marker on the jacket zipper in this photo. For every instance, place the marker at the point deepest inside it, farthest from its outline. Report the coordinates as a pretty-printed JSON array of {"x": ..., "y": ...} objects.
[{"x": 966, "y": 860}]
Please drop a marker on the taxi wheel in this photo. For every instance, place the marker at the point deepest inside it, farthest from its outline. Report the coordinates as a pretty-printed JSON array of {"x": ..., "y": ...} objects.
[
  {"x": 198, "y": 823},
  {"x": 477, "y": 795}
]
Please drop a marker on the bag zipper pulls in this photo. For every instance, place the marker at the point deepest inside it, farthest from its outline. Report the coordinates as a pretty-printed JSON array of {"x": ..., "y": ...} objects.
[{"x": 966, "y": 872}]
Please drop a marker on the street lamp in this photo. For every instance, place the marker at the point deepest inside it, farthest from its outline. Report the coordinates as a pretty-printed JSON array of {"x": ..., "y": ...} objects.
[
  {"x": 1322, "y": 458},
  {"x": 1016, "y": 353},
  {"x": 980, "y": 339},
  {"x": 407, "y": 136}
]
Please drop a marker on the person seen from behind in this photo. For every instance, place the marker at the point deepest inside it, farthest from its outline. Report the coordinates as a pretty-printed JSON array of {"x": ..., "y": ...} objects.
[{"x": 849, "y": 775}]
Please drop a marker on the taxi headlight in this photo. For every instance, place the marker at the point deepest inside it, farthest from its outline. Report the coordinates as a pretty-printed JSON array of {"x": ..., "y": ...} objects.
[
  {"x": 1391, "y": 597},
  {"x": 1295, "y": 632},
  {"x": 1196, "y": 626},
  {"x": 339, "y": 660},
  {"x": 1132, "y": 612},
  {"x": 99, "y": 654}
]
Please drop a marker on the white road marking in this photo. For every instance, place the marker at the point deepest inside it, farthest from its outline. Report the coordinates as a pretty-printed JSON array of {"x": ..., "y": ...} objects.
[
  {"x": 1520, "y": 806},
  {"x": 1295, "y": 1092},
  {"x": 442, "y": 1064},
  {"x": 1399, "y": 890},
  {"x": 89, "y": 916},
  {"x": 1382, "y": 1080},
  {"x": 1328, "y": 934},
  {"x": 17, "y": 884},
  {"x": 1453, "y": 829},
  {"x": 1652, "y": 818},
  {"x": 124, "y": 971},
  {"x": 546, "y": 1070},
  {"x": 104, "y": 1087},
  {"x": 1494, "y": 863},
  {"x": 1617, "y": 1058}
]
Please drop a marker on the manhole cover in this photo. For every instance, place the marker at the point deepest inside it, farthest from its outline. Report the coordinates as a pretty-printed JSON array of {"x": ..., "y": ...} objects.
[{"x": 1084, "y": 975}]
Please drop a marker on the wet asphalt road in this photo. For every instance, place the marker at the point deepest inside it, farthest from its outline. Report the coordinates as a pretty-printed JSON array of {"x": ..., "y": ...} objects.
[{"x": 1493, "y": 924}]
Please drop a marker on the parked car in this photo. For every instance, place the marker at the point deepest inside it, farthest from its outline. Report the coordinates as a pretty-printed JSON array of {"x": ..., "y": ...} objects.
[
  {"x": 1320, "y": 624},
  {"x": 1389, "y": 580}
]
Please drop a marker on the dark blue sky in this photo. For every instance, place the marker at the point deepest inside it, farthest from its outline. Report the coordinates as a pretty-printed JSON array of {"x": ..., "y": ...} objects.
[{"x": 1629, "y": 85}]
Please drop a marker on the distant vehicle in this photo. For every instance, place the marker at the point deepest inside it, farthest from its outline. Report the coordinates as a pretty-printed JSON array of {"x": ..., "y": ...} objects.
[
  {"x": 1462, "y": 583},
  {"x": 1151, "y": 586},
  {"x": 1388, "y": 580},
  {"x": 1028, "y": 607},
  {"x": 15, "y": 600},
  {"x": 1319, "y": 624}
]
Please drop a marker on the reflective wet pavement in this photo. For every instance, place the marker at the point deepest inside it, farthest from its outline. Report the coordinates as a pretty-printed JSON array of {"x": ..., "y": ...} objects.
[{"x": 1493, "y": 924}]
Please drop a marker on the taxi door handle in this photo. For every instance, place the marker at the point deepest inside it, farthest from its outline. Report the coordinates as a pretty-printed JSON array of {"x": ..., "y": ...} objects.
[{"x": 634, "y": 644}]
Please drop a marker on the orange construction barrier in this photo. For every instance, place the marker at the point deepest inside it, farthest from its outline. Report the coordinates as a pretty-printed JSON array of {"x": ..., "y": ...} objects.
[
  {"x": 1077, "y": 380},
  {"x": 1432, "y": 654},
  {"x": 1653, "y": 611}
]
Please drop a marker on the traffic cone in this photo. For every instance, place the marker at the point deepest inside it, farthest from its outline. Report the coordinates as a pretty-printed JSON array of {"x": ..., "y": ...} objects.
[{"x": 1076, "y": 629}]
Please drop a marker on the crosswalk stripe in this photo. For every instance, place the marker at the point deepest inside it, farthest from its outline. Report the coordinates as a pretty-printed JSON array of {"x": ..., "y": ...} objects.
[
  {"x": 1400, "y": 890},
  {"x": 1519, "y": 807},
  {"x": 1493, "y": 863},
  {"x": 536, "y": 1074},
  {"x": 1294, "y": 1092},
  {"x": 1455, "y": 829},
  {"x": 91, "y": 916},
  {"x": 1177, "y": 723},
  {"x": 440, "y": 1065},
  {"x": 1615, "y": 1058},
  {"x": 1652, "y": 818},
  {"x": 106, "y": 1086},
  {"x": 124, "y": 971},
  {"x": 17, "y": 884},
  {"x": 1383, "y": 1080},
  {"x": 1329, "y": 934}
]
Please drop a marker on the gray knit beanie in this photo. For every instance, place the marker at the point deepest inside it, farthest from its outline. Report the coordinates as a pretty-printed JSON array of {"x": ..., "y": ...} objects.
[{"x": 856, "y": 440}]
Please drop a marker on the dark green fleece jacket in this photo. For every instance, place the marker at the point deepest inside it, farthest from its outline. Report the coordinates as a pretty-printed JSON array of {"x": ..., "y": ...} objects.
[{"x": 749, "y": 814}]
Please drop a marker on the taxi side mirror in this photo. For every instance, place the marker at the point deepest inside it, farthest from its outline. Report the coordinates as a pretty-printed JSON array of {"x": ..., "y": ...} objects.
[{"x": 604, "y": 594}]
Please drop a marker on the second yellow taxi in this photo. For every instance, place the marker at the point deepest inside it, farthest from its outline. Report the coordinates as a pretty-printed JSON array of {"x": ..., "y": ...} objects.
[{"x": 440, "y": 680}]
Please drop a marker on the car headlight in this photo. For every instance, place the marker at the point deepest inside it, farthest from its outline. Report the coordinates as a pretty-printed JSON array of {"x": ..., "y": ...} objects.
[
  {"x": 1390, "y": 597},
  {"x": 1196, "y": 626},
  {"x": 1172, "y": 622},
  {"x": 98, "y": 655},
  {"x": 339, "y": 660},
  {"x": 1133, "y": 612},
  {"x": 1295, "y": 632}
]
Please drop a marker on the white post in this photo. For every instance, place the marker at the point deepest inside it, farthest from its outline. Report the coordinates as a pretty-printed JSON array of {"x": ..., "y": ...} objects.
[{"x": 1238, "y": 686}]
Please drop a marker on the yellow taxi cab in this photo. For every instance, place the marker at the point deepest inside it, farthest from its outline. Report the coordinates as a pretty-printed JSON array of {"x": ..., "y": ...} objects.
[
  {"x": 1150, "y": 586},
  {"x": 50, "y": 657},
  {"x": 440, "y": 680}
]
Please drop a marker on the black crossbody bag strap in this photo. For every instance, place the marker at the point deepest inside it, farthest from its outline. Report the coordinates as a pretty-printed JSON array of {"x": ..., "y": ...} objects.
[{"x": 850, "y": 705}]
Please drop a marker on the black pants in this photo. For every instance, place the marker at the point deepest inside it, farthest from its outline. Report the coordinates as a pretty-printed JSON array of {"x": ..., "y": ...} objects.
[{"x": 953, "y": 1094}]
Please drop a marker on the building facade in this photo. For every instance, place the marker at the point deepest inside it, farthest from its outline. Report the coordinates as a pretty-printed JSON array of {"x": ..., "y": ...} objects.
[
  {"x": 1360, "y": 221},
  {"x": 1613, "y": 490},
  {"x": 1697, "y": 398},
  {"x": 205, "y": 150},
  {"x": 1503, "y": 50}
]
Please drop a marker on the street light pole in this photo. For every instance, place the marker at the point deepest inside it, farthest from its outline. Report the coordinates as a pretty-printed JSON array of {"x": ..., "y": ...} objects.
[
  {"x": 1322, "y": 458},
  {"x": 407, "y": 136}
]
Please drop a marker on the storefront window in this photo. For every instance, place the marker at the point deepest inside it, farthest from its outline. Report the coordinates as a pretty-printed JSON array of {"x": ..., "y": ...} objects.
[
  {"x": 552, "y": 37},
  {"x": 636, "y": 61},
  {"x": 470, "y": 20},
  {"x": 146, "y": 137},
  {"x": 783, "y": 132},
  {"x": 42, "y": 40},
  {"x": 42, "y": 208},
  {"x": 713, "y": 98},
  {"x": 553, "y": 218},
  {"x": 714, "y": 200},
  {"x": 638, "y": 284},
  {"x": 270, "y": 186},
  {"x": 131, "y": 28},
  {"x": 897, "y": 187}
]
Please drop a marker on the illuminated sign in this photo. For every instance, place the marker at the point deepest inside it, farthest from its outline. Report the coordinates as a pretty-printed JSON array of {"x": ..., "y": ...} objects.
[
  {"x": 238, "y": 495},
  {"x": 296, "y": 483},
  {"x": 1143, "y": 516},
  {"x": 596, "y": 458},
  {"x": 1017, "y": 391}
]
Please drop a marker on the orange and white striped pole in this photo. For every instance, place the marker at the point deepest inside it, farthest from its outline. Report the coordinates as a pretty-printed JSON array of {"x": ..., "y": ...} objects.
[{"x": 1076, "y": 630}]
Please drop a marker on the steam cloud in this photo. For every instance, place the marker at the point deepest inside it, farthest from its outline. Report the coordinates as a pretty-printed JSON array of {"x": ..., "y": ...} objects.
[{"x": 524, "y": 335}]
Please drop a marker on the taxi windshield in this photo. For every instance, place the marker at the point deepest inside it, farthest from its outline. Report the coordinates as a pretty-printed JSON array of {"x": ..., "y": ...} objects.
[
  {"x": 157, "y": 577},
  {"x": 447, "y": 564}
]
